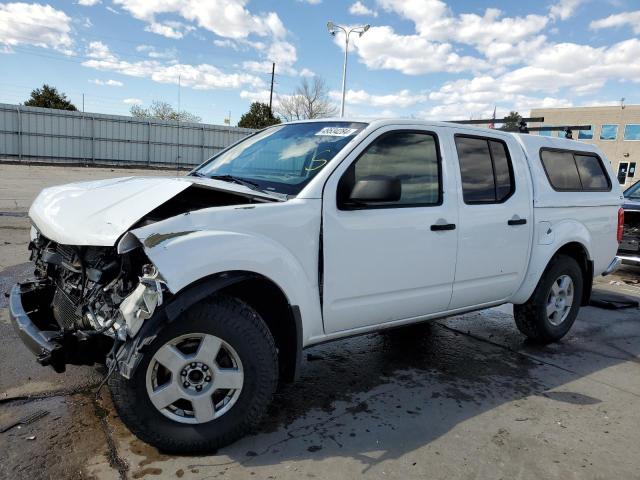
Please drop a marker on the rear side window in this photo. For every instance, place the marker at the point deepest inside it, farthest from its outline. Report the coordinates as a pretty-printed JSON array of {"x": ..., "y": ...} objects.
[
  {"x": 485, "y": 169},
  {"x": 574, "y": 171}
]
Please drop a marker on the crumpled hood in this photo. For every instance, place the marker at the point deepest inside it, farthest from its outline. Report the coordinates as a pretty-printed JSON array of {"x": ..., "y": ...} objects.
[{"x": 97, "y": 213}]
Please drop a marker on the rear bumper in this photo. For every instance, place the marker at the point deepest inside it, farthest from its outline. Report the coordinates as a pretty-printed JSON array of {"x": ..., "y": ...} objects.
[
  {"x": 631, "y": 259},
  {"x": 42, "y": 343}
]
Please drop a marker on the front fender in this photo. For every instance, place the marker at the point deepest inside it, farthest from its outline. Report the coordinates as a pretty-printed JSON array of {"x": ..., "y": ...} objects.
[
  {"x": 546, "y": 246},
  {"x": 183, "y": 258}
]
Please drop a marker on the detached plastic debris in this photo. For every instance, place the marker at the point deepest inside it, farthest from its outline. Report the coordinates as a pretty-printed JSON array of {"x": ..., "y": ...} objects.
[
  {"x": 612, "y": 301},
  {"x": 26, "y": 420}
]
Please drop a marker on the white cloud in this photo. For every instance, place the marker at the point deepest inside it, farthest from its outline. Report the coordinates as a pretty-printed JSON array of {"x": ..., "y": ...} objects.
[
  {"x": 360, "y": 8},
  {"x": 226, "y": 18},
  {"x": 564, "y": 9},
  {"x": 382, "y": 48},
  {"x": 433, "y": 47},
  {"x": 35, "y": 24},
  {"x": 552, "y": 76},
  {"x": 255, "y": 96},
  {"x": 88, "y": 3},
  {"x": 199, "y": 77},
  {"x": 311, "y": 2},
  {"x": 152, "y": 52},
  {"x": 107, "y": 83},
  {"x": 631, "y": 19},
  {"x": 401, "y": 99},
  {"x": 132, "y": 101},
  {"x": 164, "y": 30},
  {"x": 229, "y": 19}
]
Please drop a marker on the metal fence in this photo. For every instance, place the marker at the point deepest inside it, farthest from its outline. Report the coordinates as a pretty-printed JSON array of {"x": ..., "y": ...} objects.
[{"x": 31, "y": 134}]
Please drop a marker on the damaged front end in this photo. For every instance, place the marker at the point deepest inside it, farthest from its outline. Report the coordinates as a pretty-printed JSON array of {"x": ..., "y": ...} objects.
[{"x": 83, "y": 302}]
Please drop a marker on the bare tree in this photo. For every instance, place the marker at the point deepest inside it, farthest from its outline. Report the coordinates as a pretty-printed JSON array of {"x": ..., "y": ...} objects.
[
  {"x": 309, "y": 100},
  {"x": 163, "y": 111}
]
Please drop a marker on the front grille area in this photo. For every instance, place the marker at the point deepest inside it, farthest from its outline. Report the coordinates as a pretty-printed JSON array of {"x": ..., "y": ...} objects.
[{"x": 65, "y": 311}]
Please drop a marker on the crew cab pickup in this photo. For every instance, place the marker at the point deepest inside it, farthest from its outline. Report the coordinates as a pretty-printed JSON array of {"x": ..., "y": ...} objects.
[{"x": 200, "y": 292}]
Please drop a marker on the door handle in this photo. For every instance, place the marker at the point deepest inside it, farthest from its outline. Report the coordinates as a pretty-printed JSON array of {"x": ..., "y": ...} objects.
[
  {"x": 517, "y": 221},
  {"x": 443, "y": 226}
]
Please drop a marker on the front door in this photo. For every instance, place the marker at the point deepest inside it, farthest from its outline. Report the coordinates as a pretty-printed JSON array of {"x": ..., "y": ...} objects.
[
  {"x": 495, "y": 219},
  {"x": 392, "y": 260}
]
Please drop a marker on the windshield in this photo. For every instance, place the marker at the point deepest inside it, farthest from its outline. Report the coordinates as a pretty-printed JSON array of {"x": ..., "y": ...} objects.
[
  {"x": 633, "y": 191},
  {"x": 283, "y": 158}
]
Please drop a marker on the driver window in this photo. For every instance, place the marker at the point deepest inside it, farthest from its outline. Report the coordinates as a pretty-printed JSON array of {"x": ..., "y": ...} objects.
[{"x": 412, "y": 157}]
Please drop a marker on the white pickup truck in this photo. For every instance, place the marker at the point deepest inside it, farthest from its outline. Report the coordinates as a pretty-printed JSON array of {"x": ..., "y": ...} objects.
[{"x": 200, "y": 292}]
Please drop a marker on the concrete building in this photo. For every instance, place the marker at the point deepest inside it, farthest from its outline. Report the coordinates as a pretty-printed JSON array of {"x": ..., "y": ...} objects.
[{"x": 615, "y": 129}]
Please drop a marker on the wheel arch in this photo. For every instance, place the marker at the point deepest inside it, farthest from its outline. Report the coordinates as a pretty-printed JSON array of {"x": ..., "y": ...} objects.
[
  {"x": 283, "y": 319},
  {"x": 576, "y": 248}
]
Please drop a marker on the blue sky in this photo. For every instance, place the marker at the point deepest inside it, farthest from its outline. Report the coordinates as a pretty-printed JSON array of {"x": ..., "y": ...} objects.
[{"x": 422, "y": 58}]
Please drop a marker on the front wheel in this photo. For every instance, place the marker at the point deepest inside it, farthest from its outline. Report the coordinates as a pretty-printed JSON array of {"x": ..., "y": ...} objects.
[
  {"x": 553, "y": 307},
  {"x": 204, "y": 381}
]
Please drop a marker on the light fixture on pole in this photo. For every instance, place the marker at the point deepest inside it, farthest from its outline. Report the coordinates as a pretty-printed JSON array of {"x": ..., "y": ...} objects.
[{"x": 333, "y": 29}]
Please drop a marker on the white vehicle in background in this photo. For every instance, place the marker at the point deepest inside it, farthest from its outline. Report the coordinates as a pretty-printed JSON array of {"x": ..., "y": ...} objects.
[{"x": 200, "y": 292}]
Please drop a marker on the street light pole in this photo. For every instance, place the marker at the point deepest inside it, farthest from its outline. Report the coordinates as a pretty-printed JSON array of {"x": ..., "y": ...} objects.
[{"x": 333, "y": 28}]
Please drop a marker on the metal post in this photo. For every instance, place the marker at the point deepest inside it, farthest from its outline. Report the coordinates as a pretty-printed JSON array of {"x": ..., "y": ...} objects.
[
  {"x": 333, "y": 29},
  {"x": 19, "y": 134},
  {"x": 273, "y": 72},
  {"x": 344, "y": 72},
  {"x": 148, "y": 143},
  {"x": 202, "y": 149},
  {"x": 93, "y": 139}
]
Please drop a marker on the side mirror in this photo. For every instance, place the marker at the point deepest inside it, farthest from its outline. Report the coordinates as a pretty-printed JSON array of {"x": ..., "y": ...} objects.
[{"x": 376, "y": 189}]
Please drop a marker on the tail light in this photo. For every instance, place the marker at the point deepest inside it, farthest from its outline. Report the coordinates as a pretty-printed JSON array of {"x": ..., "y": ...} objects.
[{"x": 620, "y": 224}]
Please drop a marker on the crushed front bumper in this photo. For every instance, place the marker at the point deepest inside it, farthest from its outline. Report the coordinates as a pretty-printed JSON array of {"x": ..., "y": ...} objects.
[
  {"x": 43, "y": 343},
  {"x": 31, "y": 316}
]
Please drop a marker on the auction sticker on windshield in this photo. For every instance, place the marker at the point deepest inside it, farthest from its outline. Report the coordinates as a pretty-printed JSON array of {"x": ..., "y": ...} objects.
[{"x": 337, "y": 132}]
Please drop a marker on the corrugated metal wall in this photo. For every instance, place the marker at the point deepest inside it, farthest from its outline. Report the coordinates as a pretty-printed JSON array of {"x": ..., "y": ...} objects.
[{"x": 33, "y": 134}]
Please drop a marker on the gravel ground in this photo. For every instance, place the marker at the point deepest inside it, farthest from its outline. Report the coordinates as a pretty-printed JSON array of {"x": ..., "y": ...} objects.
[{"x": 463, "y": 397}]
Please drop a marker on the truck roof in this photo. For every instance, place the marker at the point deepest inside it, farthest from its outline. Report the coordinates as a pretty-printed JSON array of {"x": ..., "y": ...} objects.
[
  {"x": 526, "y": 140},
  {"x": 531, "y": 145}
]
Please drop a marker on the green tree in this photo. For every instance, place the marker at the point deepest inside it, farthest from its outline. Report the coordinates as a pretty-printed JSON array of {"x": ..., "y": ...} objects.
[
  {"x": 512, "y": 121},
  {"x": 49, "y": 97},
  {"x": 258, "y": 116},
  {"x": 163, "y": 111}
]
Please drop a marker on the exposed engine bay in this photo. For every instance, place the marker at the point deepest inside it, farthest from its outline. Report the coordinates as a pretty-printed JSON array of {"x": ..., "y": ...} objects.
[
  {"x": 94, "y": 295},
  {"x": 89, "y": 283}
]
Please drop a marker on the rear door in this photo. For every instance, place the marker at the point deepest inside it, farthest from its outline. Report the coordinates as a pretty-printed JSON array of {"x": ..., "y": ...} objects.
[
  {"x": 495, "y": 219},
  {"x": 392, "y": 261}
]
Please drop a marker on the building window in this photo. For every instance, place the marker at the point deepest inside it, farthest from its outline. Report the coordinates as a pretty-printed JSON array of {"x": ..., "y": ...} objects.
[
  {"x": 632, "y": 170},
  {"x": 545, "y": 133},
  {"x": 585, "y": 134},
  {"x": 609, "y": 132},
  {"x": 632, "y": 131}
]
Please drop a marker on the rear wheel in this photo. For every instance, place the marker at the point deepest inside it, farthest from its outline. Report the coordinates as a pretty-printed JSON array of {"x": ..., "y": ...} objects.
[
  {"x": 550, "y": 312},
  {"x": 204, "y": 381}
]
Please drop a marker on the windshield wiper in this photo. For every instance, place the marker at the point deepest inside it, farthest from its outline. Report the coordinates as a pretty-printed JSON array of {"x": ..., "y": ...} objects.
[
  {"x": 249, "y": 184},
  {"x": 238, "y": 180}
]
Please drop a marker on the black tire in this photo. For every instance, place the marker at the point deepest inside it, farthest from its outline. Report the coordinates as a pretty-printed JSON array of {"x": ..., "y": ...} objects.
[
  {"x": 241, "y": 327},
  {"x": 531, "y": 317}
]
